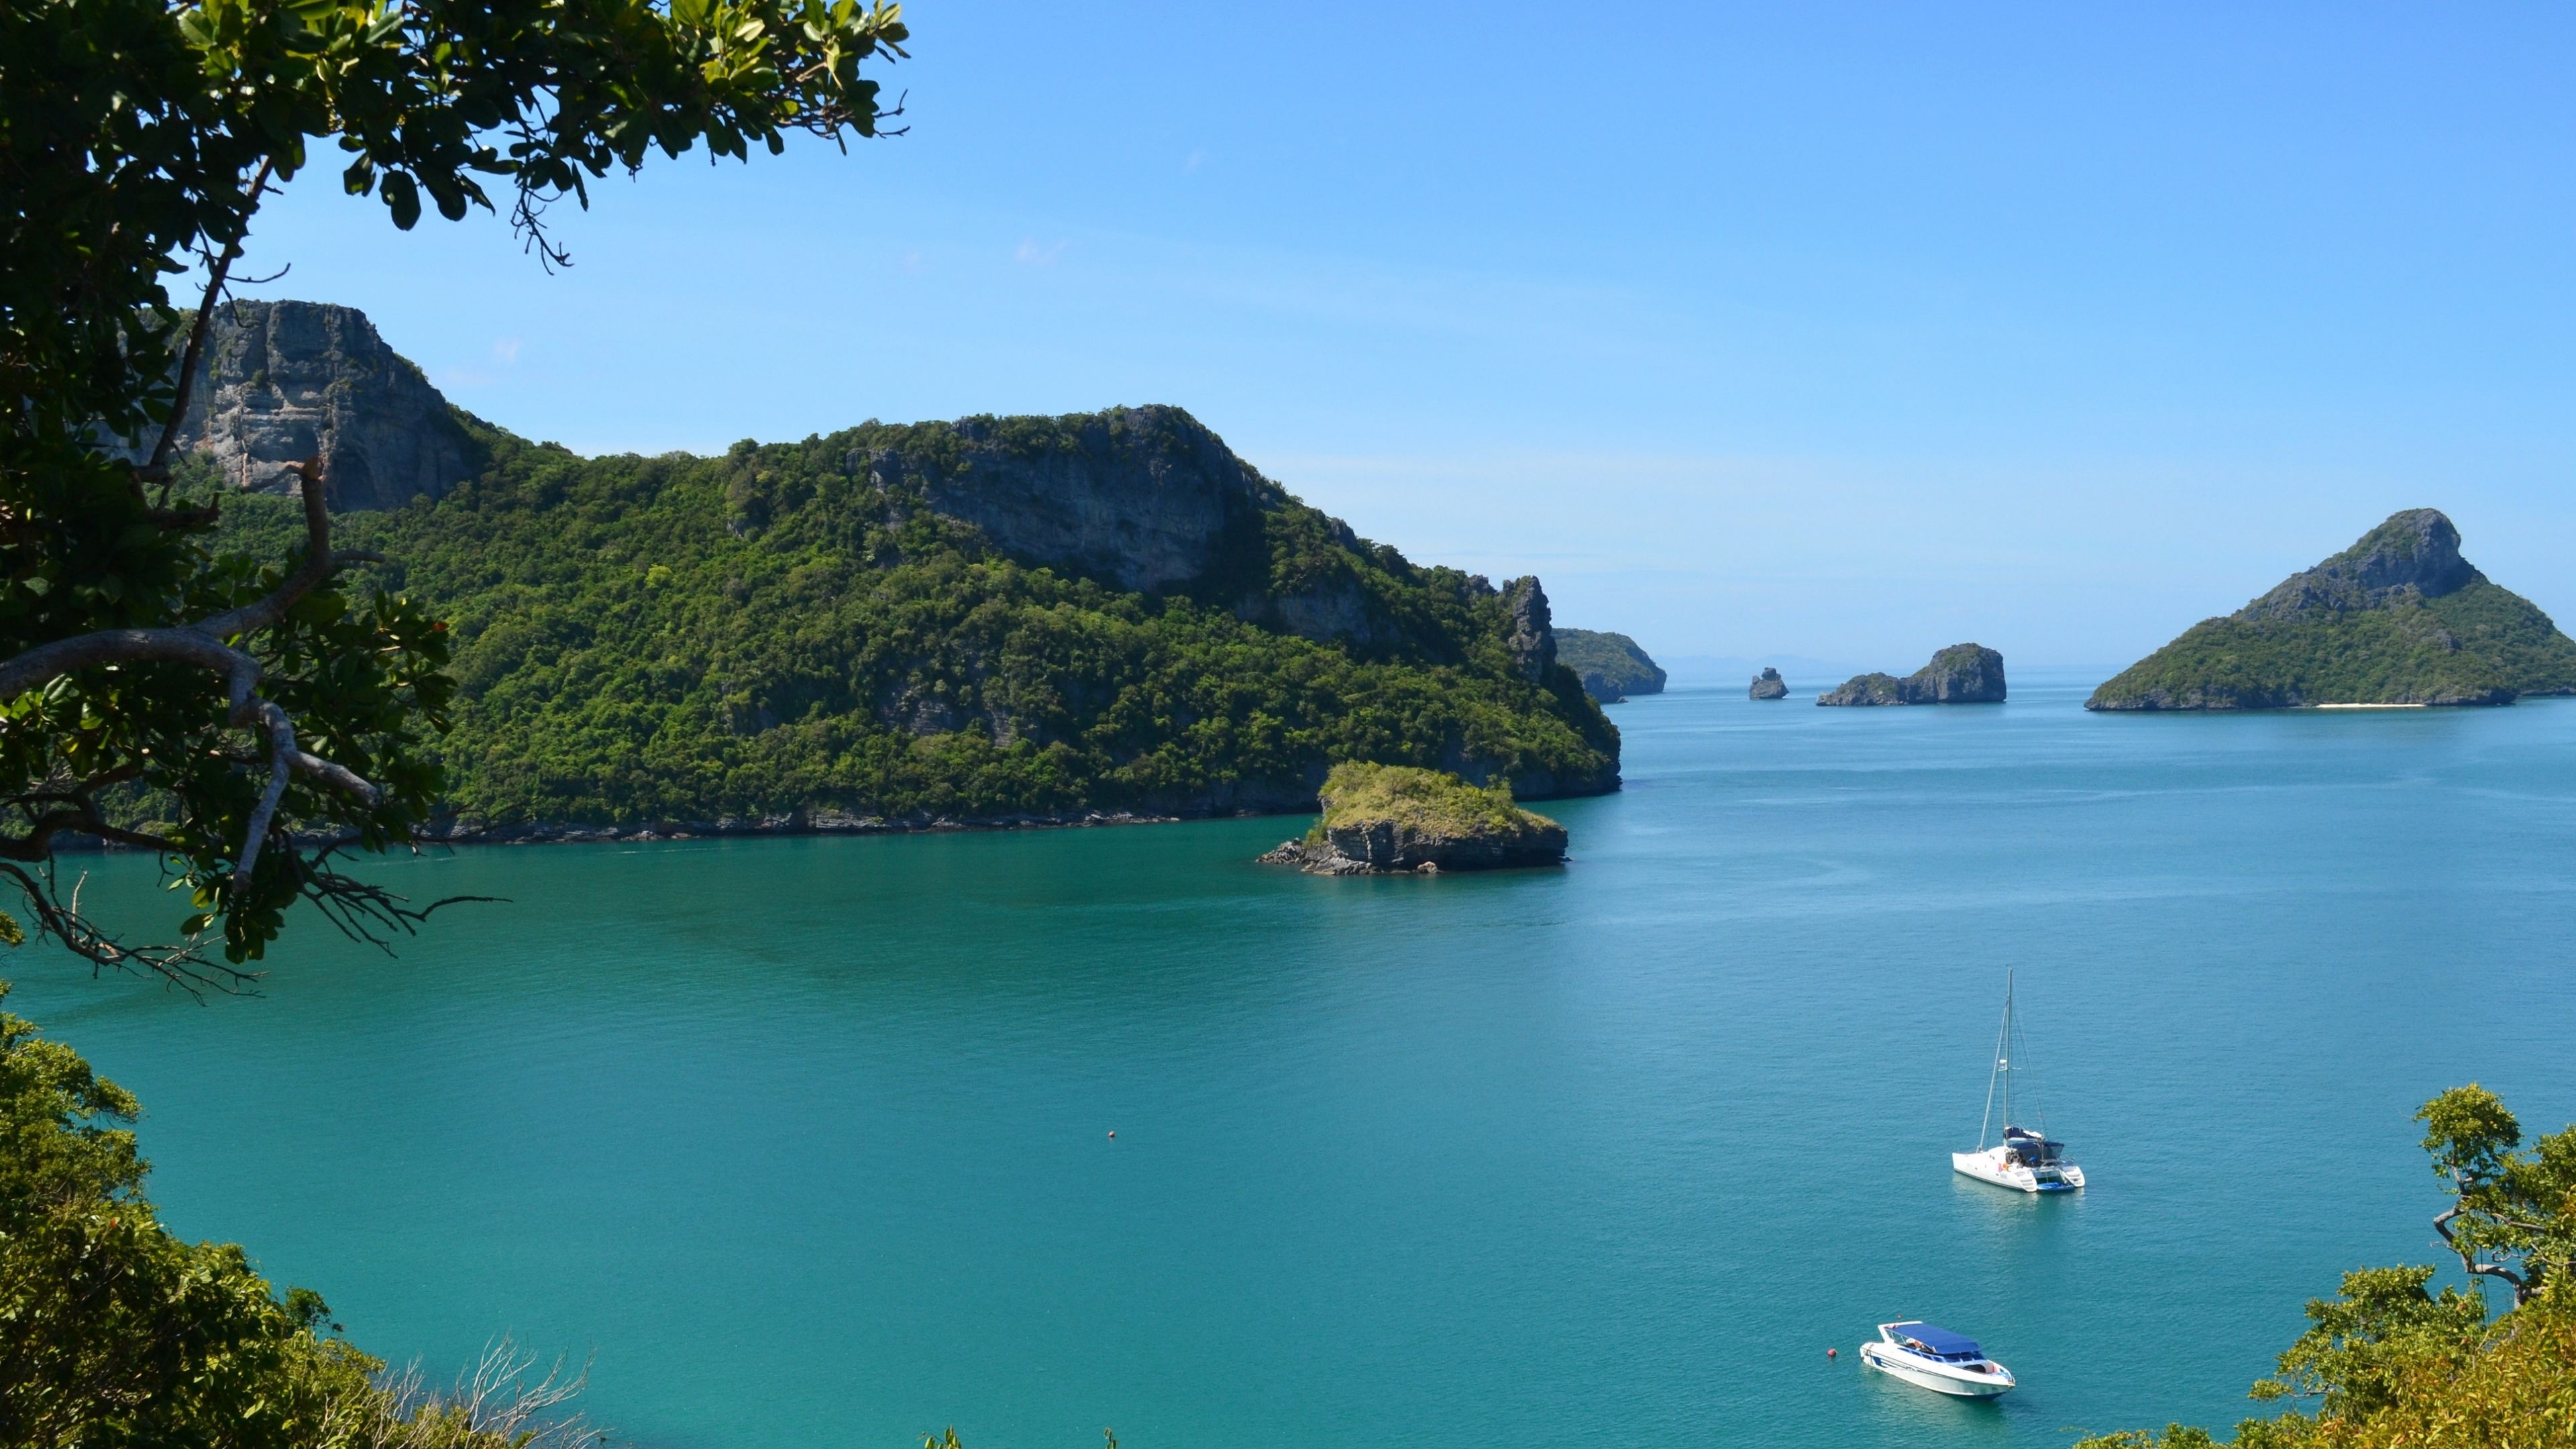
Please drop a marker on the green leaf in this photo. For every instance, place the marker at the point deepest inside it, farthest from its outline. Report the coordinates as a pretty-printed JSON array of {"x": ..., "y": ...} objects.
[{"x": 402, "y": 195}]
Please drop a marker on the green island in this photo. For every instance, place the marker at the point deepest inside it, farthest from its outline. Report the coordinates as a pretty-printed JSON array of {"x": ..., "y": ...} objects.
[
  {"x": 2399, "y": 618},
  {"x": 1611, "y": 666},
  {"x": 1382, "y": 819},
  {"x": 908, "y": 625}
]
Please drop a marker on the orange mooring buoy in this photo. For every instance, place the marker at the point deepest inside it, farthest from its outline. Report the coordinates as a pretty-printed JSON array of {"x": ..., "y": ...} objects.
[
  {"x": 1829, "y": 1353},
  {"x": 1113, "y": 1134}
]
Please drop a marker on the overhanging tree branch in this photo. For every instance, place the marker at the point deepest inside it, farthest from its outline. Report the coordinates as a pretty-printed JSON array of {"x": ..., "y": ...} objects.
[{"x": 202, "y": 644}]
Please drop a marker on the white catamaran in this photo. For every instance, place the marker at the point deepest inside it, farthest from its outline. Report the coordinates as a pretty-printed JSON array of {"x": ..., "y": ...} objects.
[{"x": 2026, "y": 1161}]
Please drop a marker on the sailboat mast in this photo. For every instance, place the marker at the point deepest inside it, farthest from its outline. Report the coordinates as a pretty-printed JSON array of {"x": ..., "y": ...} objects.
[
  {"x": 1997, "y": 1072},
  {"x": 2003, "y": 1057}
]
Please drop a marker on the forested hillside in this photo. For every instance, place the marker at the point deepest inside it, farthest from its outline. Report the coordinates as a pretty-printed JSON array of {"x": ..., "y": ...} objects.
[{"x": 814, "y": 633}]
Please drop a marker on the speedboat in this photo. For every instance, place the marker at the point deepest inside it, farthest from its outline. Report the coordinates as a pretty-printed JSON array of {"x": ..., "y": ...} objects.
[
  {"x": 1931, "y": 1357},
  {"x": 2025, "y": 1161}
]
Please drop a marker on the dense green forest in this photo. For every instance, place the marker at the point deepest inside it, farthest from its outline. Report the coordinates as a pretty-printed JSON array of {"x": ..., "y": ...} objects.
[{"x": 791, "y": 631}]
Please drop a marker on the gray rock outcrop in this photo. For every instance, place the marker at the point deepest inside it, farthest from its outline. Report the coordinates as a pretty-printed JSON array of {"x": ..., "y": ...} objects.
[
  {"x": 1140, "y": 497},
  {"x": 1768, "y": 685},
  {"x": 2414, "y": 554},
  {"x": 284, "y": 381},
  {"x": 1532, "y": 634},
  {"x": 1960, "y": 674},
  {"x": 1383, "y": 847}
]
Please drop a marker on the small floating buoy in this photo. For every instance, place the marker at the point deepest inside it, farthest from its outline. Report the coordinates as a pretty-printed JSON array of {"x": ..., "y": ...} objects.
[
  {"x": 1829, "y": 1353},
  {"x": 1113, "y": 1136}
]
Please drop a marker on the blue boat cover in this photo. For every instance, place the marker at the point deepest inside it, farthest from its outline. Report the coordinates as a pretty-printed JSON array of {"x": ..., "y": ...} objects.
[{"x": 1938, "y": 1339}]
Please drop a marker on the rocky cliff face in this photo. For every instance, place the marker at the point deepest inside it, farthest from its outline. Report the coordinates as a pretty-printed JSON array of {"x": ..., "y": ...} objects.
[
  {"x": 284, "y": 381},
  {"x": 1532, "y": 636},
  {"x": 1960, "y": 674},
  {"x": 1140, "y": 497},
  {"x": 1769, "y": 685},
  {"x": 2414, "y": 555}
]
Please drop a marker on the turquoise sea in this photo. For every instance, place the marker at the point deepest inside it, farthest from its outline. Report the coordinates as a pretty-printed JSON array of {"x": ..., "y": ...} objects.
[{"x": 806, "y": 1142}]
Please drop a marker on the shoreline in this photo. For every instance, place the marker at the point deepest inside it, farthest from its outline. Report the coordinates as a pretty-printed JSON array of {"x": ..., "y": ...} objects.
[{"x": 798, "y": 823}]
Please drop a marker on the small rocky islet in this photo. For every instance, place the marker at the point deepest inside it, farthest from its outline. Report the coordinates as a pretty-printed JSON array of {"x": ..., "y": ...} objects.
[
  {"x": 1398, "y": 819},
  {"x": 1960, "y": 674},
  {"x": 2399, "y": 618},
  {"x": 1768, "y": 685}
]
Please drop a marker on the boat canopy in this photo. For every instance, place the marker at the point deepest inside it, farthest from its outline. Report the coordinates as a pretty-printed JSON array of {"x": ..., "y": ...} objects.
[{"x": 1938, "y": 1339}]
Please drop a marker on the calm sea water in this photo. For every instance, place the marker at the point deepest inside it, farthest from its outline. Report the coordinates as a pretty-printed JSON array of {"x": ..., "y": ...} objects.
[{"x": 806, "y": 1142}]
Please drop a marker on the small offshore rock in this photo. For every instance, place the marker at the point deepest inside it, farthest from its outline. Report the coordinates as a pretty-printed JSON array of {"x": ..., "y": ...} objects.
[
  {"x": 1960, "y": 674},
  {"x": 1768, "y": 685},
  {"x": 1395, "y": 819}
]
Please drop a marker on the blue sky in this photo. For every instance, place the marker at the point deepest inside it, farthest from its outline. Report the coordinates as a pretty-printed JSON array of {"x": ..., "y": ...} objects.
[{"x": 1836, "y": 330}]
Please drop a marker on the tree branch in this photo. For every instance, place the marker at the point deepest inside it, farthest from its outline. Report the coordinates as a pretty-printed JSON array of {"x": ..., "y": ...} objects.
[
  {"x": 281, "y": 751},
  {"x": 185, "y": 966},
  {"x": 202, "y": 644},
  {"x": 2522, "y": 1290}
]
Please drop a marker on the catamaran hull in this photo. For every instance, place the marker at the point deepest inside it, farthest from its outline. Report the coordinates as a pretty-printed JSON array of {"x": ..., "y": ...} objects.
[
  {"x": 1989, "y": 1166},
  {"x": 1939, "y": 1378}
]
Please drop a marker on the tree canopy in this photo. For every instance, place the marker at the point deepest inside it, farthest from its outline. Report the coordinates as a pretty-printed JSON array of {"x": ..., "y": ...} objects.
[
  {"x": 269, "y": 702},
  {"x": 2390, "y": 1364},
  {"x": 120, "y": 1335}
]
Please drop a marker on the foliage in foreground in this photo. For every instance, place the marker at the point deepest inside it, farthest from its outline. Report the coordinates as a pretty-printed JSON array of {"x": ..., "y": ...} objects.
[
  {"x": 689, "y": 639},
  {"x": 1422, "y": 803},
  {"x": 2392, "y": 1365},
  {"x": 119, "y": 1335}
]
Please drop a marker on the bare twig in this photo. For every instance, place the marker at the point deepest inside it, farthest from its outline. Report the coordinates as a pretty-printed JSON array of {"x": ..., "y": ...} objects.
[{"x": 184, "y": 965}]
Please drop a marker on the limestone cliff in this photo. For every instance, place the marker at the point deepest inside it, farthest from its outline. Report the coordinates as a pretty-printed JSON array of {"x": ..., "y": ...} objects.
[
  {"x": 284, "y": 381},
  {"x": 1139, "y": 497},
  {"x": 1768, "y": 685}
]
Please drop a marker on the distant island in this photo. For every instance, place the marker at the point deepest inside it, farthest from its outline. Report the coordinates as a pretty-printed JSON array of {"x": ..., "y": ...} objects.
[
  {"x": 2399, "y": 618},
  {"x": 980, "y": 622},
  {"x": 1768, "y": 685},
  {"x": 1611, "y": 666},
  {"x": 1387, "y": 819},
  {"x": 1960, "y": 674}
]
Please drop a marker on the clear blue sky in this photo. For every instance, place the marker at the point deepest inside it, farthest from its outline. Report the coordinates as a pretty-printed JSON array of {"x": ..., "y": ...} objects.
[{"x": 1829, "y": 329}]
